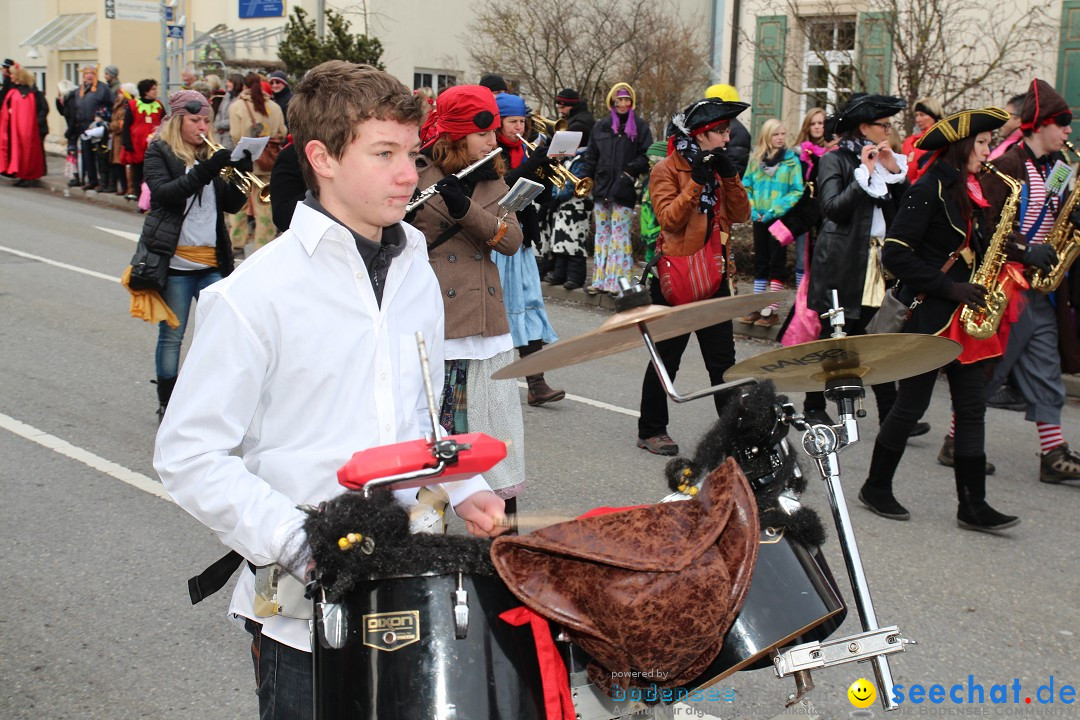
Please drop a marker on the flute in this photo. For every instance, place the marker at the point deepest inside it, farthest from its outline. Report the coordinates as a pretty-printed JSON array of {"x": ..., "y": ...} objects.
[{"x": 427, "y": 193}]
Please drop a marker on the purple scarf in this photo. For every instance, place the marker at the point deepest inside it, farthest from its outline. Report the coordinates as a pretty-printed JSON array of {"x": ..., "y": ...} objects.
[{"x": 631, "y": 126}]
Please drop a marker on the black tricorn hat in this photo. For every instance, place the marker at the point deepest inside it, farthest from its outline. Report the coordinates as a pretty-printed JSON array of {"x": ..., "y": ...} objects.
[
  {"x": 705, "y": 114},
  {"x": 867, "y": 108},
  {"x": 956, "y": 127}
]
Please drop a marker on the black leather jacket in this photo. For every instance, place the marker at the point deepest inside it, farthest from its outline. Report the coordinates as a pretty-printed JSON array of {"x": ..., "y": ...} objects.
[{"x": 843, "y": 243}]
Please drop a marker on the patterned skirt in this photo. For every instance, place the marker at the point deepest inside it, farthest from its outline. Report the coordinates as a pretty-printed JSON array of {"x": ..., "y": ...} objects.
[{"x": 473, "y": 402}]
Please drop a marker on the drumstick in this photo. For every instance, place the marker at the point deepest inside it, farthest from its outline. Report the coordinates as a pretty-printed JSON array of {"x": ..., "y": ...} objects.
[{"x": 531, "y": 520}]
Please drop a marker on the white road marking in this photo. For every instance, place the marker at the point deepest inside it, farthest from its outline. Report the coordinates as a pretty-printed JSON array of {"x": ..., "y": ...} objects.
[
  {"x": 65, "y": 266},
  {"x": 133, "y": 237},
  {"x": 595, "y": 403},
  {"x": 121, "y": 473}
]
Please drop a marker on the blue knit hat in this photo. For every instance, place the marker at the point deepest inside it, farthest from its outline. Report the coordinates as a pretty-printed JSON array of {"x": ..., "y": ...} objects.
[{"x": 511, "y": 105}]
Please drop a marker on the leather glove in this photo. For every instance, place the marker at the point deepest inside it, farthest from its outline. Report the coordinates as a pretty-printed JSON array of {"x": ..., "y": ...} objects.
[
  {"x": 722, "y": 164},
  {"x": 244, "y": 164},
  {"x": 701, "y": 170},
  {"x": 539, "y": 160},
  {"x": 212, "y": 166},
  {"x": 970, "y": 294},
  {"x": 1041, "y": 256},
  {"x": 453, "y": 194}
]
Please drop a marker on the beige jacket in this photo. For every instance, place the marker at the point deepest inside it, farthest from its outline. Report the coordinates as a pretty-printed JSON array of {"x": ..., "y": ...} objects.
[
  {"x": 243, "y": 116},
  {"x": 471, "y": 291}
]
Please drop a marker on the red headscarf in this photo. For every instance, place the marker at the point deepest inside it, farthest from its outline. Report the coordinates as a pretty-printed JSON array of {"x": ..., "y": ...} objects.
[{"x": 460, "y": 111}]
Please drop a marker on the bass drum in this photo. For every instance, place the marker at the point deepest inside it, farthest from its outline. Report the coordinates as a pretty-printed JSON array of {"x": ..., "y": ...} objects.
[
  {"x": 402, "y": 658},
  {"x": 793, "y": 599}
]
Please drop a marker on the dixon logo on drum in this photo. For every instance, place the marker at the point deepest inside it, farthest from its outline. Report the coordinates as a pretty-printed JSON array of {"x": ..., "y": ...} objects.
[{"x": 391, "y": 631}]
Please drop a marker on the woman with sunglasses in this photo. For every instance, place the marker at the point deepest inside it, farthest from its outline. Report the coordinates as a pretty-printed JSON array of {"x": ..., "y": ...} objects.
[
  {"x": 1032, "y": 354},
  {"x": 186, "y": 220},
  {"x": 859, "y": 189}
]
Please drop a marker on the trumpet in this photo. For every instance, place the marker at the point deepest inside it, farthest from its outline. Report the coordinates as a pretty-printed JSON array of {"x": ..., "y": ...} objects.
[
  {"x": 544, "y": 126},
  {"x": 560, "y": 176},
  {"x": 245, "y": 182}
]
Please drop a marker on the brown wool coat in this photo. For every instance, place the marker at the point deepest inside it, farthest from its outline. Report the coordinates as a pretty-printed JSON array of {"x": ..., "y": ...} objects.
[
  {"x": 675, "y": 197},
  {"x": 471, "y": 291}
]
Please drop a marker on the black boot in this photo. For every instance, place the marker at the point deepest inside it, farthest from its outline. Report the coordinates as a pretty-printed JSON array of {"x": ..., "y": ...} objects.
[
  {"x": 575, "y": 272},
  {"x": 164, "y": 392},
  {"x": 876, "y": 493},
  {"x": 557, "y": 274},
  {"x": 973, "y": 512}
]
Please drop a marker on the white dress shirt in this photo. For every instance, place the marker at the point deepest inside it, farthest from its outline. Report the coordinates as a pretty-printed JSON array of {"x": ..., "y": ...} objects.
[{"x": 295, "y": 365}]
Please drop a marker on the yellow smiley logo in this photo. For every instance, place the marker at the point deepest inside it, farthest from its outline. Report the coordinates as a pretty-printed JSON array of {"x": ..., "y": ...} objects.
[{"x": 862, "y": 693}]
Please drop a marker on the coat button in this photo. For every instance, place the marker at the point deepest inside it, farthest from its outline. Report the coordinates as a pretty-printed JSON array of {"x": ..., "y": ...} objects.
[
  {"x": 451, "y": 257},
  {"x": 491, "y": 291},
  {"x": 451, "y": 293},
  {"x": 443, "y": 225},
  {"x": 478, "y": 257}
]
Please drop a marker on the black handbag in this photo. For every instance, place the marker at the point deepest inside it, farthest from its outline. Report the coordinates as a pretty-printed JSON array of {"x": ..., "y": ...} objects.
[{"x": 149, "y": 270}]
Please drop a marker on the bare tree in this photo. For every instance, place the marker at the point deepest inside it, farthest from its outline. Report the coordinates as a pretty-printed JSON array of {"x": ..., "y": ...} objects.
[
  {"x": 962, "y": 52},
  {"x": 591, "y": 45}
]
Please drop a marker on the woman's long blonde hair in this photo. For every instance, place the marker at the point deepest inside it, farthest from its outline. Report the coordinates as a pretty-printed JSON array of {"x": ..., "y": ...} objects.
[
  {"x": 804, "y": 131},
  {"x": 764, "y": 141},
  {"x": 169, "y": 133}
]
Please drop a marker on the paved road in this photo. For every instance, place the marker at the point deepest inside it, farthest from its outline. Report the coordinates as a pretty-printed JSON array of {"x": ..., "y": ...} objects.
[{"x": 97, "y": 623}]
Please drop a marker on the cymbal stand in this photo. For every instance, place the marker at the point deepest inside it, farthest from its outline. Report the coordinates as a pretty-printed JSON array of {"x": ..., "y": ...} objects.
[
  {"x": 823, "y": 443},
  {"x": 635, "y": 295}
]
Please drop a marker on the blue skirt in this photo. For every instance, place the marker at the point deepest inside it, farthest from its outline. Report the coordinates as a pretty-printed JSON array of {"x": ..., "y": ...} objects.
[{"x": 523, "y": 297}]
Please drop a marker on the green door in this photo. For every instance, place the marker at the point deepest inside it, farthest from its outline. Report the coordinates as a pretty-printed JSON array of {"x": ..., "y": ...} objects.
[
  {"x": 768, "y": 70},
  {"x": 1068, "y": 78}
]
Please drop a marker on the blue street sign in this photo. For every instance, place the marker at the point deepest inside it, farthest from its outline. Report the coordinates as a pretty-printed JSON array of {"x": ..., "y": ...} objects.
[
  {"x": 262, "y": 8},
  {"x": 175, "y": 31},
  {"x": 168, "y": 14}
]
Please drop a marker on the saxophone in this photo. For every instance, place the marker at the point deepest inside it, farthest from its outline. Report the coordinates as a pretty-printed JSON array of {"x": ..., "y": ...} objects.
[
  {"x": 984, "y": 322},
  {"x": 1064, "y": 237}
]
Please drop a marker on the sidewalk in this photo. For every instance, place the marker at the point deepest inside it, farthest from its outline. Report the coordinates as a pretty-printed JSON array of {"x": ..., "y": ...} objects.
[{"x": 57, "y": 183}]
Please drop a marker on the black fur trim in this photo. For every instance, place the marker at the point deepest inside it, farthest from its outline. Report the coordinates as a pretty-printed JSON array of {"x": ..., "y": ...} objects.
[
  {"x": 396, "y": 552},
  {"x": 749, "y": 430}
]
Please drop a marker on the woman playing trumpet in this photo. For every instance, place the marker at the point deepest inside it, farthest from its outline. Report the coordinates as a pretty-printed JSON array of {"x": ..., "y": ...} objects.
[
  {"x": 186, "y": 221},
  {"x": 520, "y": 278}
]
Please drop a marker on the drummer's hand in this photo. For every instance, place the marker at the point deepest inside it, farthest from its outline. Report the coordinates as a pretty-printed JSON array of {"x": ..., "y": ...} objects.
[{"x": 481, "y": 511}]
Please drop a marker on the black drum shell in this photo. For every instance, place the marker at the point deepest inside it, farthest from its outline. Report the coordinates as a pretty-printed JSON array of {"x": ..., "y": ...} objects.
[
  {"x": 792, "y": 599},
  {"x": 491, "y": 673}
]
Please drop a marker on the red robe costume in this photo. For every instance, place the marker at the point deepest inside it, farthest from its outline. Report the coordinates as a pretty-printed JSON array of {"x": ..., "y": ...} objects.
[
  {"x": 145, "y": 119},
  {"x": 22, "y": 148}
]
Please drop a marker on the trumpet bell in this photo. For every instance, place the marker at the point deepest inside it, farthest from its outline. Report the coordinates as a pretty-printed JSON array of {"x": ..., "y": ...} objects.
[{"x": 546, "y": 126}]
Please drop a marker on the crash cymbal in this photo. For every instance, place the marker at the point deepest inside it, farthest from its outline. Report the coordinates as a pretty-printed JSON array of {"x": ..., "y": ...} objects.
[
  {"x": 622, "y": 331},
  {"x": 873, "y": 359}
]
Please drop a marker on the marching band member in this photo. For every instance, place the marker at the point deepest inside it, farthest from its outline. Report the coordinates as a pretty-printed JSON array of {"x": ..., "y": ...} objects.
[
  {"x": 934, "y": 246},
  {"x": 520, "y": 279},
  {"x": 307, "y": 354},
  {"x": 697, "y": 197},
  {"x": 462, "y": 225},
  {"x": 859, "y": 189},
  {"x": 1032, "y": 354}
]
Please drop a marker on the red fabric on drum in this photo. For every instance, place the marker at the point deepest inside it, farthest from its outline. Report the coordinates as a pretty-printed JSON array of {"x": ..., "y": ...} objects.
[{"x": 558, "y": 705}]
